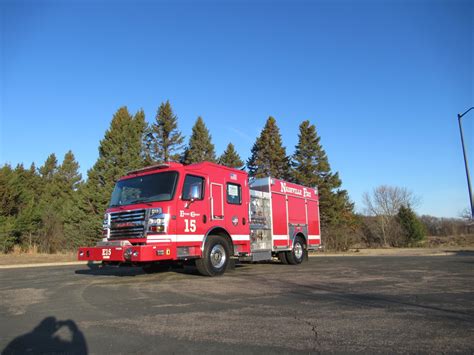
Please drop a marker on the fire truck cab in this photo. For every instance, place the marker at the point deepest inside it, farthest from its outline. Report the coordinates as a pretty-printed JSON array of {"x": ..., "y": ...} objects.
[{"x": 208, "y": 214}]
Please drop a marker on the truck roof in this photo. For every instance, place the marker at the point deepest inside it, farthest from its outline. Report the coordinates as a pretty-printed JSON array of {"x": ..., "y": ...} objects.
[{"x": 174, "y": 165}]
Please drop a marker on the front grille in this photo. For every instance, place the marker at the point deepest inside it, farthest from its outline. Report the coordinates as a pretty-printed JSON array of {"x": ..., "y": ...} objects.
[{"x": 128, "y": 224}]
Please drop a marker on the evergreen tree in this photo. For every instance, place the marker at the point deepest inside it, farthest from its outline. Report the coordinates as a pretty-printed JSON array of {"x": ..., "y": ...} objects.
[
  {"x": 28, "y": 221},
  {"x": 200, "y": 147},
  {"x": 164, "y": 140},
  {"x": 51, "y": 234},
  {"x": 411, "y": 225},
  {"x": 68, "y": 175},
  {"x": 69, "y": 180},
  {"x": 119, "y": 152},
  {"x": 231, "y": 158},
  {"x": 9, "y": 200},
  {"x": 268, "y": 154},
  {"x": 50, "y": 168},
  {"x": 311, "y": 168},
  {"x": 9, "y": 196}
]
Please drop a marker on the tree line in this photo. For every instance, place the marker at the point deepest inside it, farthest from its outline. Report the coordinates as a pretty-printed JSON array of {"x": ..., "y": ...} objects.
[{"x": 52, "y": 208}]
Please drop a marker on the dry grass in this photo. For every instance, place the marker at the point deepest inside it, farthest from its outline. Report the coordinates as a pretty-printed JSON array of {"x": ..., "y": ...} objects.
[
  {"x": 466, "y": 240},
  {"x": 32, "y": 256}
]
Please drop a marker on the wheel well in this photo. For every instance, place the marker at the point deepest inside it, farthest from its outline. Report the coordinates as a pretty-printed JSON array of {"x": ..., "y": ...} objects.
[
  {"x": 305, "y": 240},
  {"x": 222, "y": 233}
]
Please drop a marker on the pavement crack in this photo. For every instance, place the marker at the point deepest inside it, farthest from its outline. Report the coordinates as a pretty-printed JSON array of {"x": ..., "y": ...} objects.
[{"x": 315, "y": 338}]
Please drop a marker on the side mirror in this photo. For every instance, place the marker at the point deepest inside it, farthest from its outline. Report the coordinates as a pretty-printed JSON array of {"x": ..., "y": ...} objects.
[{"x": 195, "y": 192}]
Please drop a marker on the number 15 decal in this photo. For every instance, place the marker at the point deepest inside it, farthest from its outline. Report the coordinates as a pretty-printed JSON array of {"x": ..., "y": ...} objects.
[{"x": 190, "y": 225}]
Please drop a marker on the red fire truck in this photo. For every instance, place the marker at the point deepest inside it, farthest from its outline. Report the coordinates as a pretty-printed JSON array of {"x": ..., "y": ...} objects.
[{"x": 205, "y": 213}]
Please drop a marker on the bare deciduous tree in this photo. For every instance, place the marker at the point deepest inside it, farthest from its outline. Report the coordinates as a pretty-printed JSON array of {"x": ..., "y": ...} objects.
[{"x": 383, "y": 203}]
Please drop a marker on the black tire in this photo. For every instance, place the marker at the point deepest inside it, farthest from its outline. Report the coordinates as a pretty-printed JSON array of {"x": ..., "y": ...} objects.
[
  {"x": 297, "y": 254},
  {"x": 215, "y": 257},
  {"x": 282, "y": 257},
  {"x": 155, "y": 267}
]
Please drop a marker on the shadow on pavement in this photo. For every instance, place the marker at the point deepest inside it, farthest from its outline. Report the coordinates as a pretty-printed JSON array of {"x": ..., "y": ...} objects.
[
  {"x": 50, "y": 336},
  {"x": 123, "y": 271},
  {"x": 461, "y": 252}
]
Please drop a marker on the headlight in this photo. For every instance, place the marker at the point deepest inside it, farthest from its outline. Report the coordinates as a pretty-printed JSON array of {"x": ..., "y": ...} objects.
[
  {"x": 155, "y": 212},
  {"x": 157, "y": 221},
  {"x": 105, "y": 222}
]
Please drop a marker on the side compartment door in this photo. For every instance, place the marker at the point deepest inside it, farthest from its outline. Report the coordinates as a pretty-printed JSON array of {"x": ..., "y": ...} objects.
[
  {"x": 314, "y": 233},
  {"x": 217, "y": 201},
  {"x": 280, "y": 221}
]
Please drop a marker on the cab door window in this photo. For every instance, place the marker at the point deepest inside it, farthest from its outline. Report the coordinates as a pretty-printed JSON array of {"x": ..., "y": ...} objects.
[{"x": 193, "y": 188}]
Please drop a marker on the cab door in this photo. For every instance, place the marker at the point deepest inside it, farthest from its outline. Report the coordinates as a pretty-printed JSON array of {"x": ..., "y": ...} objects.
[{"x": 192, "y": 213}]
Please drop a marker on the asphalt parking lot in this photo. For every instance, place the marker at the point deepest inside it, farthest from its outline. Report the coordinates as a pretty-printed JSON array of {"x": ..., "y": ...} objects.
[{"x": 329, "y": 304}]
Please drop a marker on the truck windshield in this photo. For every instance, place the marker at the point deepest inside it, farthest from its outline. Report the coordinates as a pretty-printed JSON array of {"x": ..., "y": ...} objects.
[{"x": 146, "y": 188}]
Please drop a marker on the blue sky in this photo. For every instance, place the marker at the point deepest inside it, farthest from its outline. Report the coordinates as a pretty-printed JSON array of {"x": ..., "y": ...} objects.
[{"x": 381, "y": 80}]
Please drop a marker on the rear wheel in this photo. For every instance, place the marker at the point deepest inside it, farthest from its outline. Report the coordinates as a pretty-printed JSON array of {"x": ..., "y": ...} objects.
[
  {"x": 296, "y": 255},
  {"x": 215, "y": 257}
]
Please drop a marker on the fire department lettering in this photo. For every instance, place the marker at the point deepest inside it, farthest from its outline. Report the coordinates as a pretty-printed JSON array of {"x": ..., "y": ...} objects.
[
  {"x": 126, "y": 224},
  {"x": 293, "y": 190},
  {"x": 191, "y": 214}
]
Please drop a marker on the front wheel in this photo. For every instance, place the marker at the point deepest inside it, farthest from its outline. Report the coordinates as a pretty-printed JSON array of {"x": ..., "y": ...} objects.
[
  {"x": 215, "y": 257},
  {"x": 296, "y": 255}
]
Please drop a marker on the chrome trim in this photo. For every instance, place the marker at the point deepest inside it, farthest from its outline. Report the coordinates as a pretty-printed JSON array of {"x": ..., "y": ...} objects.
[
  {"x": 127, "y": 224},
  {"x": 209, "y": 233},
  {"x": 304, "y": 233},
  {"x": 218, "y": 256}
]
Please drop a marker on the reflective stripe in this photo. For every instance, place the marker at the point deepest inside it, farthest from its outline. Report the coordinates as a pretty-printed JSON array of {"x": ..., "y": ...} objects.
[
  {"x": 280, "y": 237},
  {"x": 240, "y": 237},
  {"x": 190, "y": 238}
]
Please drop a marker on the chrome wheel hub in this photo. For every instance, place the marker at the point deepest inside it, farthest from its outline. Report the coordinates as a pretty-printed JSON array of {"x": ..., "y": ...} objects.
[
  {"x": 218, "y": 256},
  {"x": 298, "y": 249}
]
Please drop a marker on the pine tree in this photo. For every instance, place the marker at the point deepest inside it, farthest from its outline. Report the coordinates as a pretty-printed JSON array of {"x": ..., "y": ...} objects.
[
  {"x": 311, "y": 168},
  {"x": 164, "y": 140},
  {"x": 119, "y": 152},
  {"x": 231, "y": 158},
  {"x": 29, "y": 219},
  {"x": 411, "y": 225},
  {"x": 9, "y": 196},
  {"x": 200, "y": 147},
  {"x": 268, "y": 154},
  {"x": 50, "y": 167},
  {"x": 69, "y": 180},
  {"x": 9, "y": 208},
  {"x": 68, "y": 175},
  {"x": 51, "y": 234}
]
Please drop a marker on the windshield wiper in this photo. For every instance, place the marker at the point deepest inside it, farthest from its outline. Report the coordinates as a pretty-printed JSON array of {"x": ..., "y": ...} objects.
[{"x": 140, "y": 200}]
